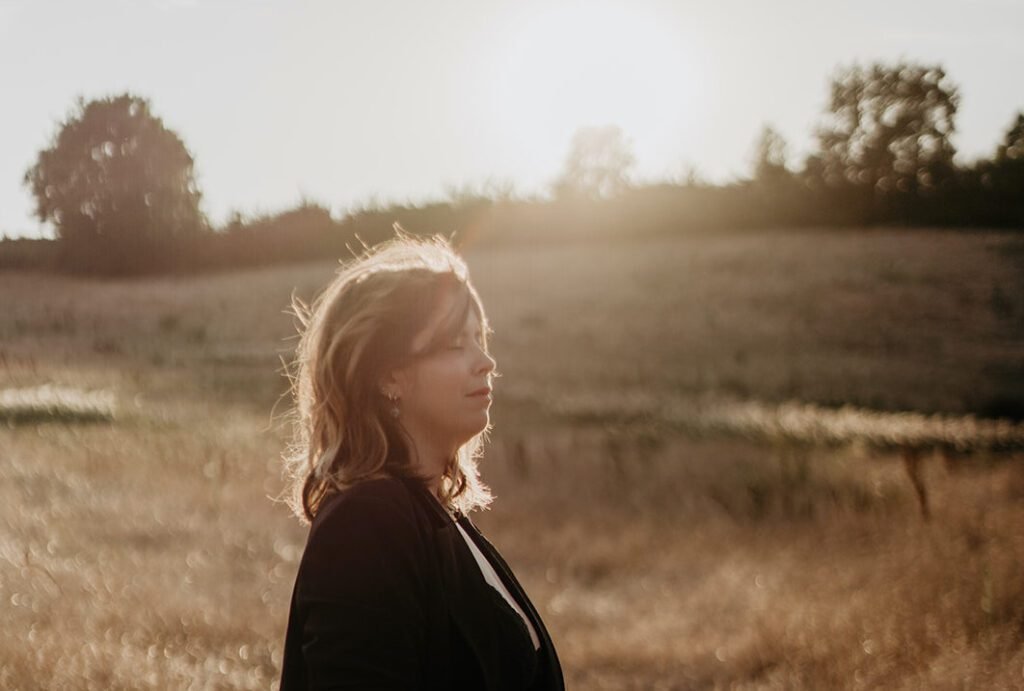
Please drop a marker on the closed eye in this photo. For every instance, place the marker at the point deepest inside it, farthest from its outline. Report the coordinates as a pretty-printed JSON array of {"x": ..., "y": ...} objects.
[{"x": 458, "y": 344}]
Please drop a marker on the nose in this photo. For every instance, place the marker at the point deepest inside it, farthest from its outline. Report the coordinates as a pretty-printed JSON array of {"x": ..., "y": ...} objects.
[{"x": 486, "y": 364}]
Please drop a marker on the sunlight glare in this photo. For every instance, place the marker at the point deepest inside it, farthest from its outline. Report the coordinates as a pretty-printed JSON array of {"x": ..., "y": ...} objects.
[{"x": 571, "y": 65}]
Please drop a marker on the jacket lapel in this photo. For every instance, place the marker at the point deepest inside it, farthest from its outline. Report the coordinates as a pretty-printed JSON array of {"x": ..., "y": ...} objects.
[
  {"x": 510, "y": 581},
  {"x": 468, "y": 598}
]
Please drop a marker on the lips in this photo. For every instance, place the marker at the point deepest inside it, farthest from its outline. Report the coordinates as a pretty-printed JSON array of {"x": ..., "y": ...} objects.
[{"x": 485, "y": 391}]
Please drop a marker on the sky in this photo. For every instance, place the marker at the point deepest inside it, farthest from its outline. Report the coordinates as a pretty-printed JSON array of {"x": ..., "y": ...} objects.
[{"x": 347, "y": 102}]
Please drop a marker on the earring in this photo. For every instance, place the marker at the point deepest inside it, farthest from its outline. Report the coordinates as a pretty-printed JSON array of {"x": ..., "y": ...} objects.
[{"x": 394, "y": 410}]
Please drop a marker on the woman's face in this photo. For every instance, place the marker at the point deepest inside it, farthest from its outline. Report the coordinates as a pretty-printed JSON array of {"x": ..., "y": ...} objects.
[{"x": 445, "y": 395}]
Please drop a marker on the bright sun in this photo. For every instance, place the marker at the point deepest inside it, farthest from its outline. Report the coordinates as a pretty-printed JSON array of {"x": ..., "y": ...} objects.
[{"x": 573, "y": 64}]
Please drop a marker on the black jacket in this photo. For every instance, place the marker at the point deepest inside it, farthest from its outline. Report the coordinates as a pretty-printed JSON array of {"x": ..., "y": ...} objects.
[{"x": 389, "y": 596}]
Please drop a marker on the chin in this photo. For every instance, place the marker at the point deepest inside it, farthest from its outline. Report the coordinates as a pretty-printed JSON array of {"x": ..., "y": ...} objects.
[
  {"x": 476, "y": 428},
  {"x": 484, "y": 424}
]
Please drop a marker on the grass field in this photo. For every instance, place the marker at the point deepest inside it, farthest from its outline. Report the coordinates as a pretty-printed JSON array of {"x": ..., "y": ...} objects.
[{"x": 142, "y": 549}]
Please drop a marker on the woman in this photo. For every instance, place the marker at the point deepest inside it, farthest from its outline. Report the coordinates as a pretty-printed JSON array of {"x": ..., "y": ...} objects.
[{"x": 397, "y": 589}]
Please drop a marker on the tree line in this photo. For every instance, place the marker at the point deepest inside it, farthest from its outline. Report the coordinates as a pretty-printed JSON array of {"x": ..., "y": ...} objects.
[{"x": 119, "y": 188}]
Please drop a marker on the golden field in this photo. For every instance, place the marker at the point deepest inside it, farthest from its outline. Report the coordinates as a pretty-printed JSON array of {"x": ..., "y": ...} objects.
[{"x": 146, "y": 551}]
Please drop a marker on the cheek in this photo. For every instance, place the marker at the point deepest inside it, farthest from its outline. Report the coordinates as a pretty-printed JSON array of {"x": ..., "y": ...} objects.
[{"x": 435, "y": 384}]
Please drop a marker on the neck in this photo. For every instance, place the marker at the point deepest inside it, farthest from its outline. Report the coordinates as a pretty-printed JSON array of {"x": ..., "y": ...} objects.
[{"x": 429, "y": 455}]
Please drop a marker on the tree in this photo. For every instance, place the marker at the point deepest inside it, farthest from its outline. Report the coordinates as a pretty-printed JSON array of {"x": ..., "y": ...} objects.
[
  {"x": 1002, "y": 179},
  {"x": 119, "y": 188},
  {"x": 770, "y": 156},
  {"x": 1012, "y": 147},
  {"x": 598, "y": 164},
  {"x": 888, "y": 127}
]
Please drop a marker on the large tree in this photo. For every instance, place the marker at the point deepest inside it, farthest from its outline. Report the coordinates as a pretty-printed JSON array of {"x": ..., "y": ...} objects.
[
  {"x": 888, "y": 127},
  {"x": 119, "y": 188},
  {"x": 598, "y": 164}
]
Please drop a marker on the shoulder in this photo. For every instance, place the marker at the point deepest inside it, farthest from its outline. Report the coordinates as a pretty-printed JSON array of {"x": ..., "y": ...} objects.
[
  {"x": 379, "y": 494},
  {"x": 388, "y": 491},
  {"x": 367, "y": 537},
  {"x": 367, "y": 548},
  {"x": 369, "y": 510}
]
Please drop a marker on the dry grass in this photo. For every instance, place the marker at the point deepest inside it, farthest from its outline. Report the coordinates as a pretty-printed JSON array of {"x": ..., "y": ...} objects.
[
  {"x": 144, "y": 552},
  {"x": 720, "y": 564}
]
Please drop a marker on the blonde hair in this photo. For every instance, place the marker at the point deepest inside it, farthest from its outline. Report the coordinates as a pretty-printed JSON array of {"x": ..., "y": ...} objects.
[{"x": 360, "y": 327}]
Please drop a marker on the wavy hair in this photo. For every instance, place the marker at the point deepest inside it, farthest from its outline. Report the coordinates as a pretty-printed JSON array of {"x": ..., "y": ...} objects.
[{"x": 359, "y": 328}]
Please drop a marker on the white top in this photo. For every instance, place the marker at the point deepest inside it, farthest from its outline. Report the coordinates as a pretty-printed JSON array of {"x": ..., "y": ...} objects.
[{"x": 492, "y": 578}]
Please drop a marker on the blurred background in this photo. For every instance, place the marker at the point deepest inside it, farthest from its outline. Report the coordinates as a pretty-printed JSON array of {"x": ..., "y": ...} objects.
[{"x": 756, "y": 276}]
